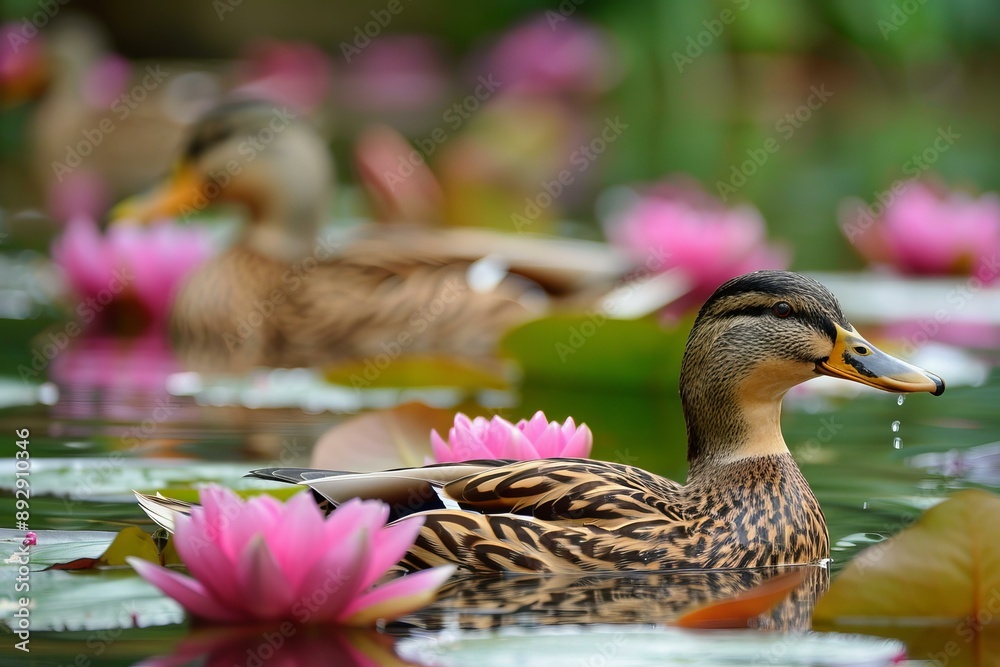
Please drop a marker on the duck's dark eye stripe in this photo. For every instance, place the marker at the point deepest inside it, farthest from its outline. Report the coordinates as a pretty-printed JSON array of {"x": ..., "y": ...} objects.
[
  {"x": 209, "y": 137},
  {"x": 751, "y": 311}
]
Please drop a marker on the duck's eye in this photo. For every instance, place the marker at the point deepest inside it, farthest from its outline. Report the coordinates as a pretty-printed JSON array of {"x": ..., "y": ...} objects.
[{"x": 781, "y": 309}]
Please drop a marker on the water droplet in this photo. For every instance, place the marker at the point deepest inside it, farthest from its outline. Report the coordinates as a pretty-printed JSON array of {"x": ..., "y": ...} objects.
[
  {"x": 895, "y": 427},
  {"x": 864, "y": 505},
  {"x": 897, "y": 442},
  {"x": 900, "y": 399}
]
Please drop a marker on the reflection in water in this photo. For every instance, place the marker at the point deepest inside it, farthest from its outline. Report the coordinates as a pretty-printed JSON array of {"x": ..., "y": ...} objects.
[
  {"x": 477, "y": 602},
  {"x": 285, "y": 644},
  {"x": 121, "y": 379}
]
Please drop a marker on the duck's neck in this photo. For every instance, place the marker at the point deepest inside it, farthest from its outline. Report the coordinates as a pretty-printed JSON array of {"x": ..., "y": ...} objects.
[
  {"x": 285, "y": 237},
  {"x": 730, "y": 417}
]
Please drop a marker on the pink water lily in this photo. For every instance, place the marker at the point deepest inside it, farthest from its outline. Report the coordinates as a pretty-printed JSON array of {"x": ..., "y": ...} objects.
[
  {"x": 260, "y": 560},
  {"x": 924, "y": 229},
  {"x": 676, "y": 225},
  {"x": 554, "y": 54},
  {"x": 144, "y": 265},
  {"x": 497, "y": 438}
]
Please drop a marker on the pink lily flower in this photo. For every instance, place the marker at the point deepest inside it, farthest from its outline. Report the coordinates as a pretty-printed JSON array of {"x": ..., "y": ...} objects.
[
  {"x": 261, "y": 560},
  {"x": 928, "y": 230},
  {"x": 497, "y": 438},
  {"x": 676, "y": 225},
  {"x": 145, "y": 265},
  {"x": 552, "y": 54}
]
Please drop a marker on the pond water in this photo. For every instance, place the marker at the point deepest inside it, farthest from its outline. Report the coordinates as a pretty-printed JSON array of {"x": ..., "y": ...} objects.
[{"x": 101, "y": 423}]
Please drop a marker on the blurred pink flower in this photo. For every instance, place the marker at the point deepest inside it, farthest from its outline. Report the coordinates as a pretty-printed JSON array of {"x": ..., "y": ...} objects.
[
  {"x": 143, "y": 264},
  {"x": 554, "y": 54},
  {"x": 283, "y": 644},
  {"x": 927, "y": 230},
  {"x": 676, "y": 225},
  {"x": 106, "y": 81},
  {"x": 395, "y": 74},
  {"x": 262, "y": 560},
  {"x": 22, "y": 62},
  {"x": 497, "y": 438},
  {"x": 294, "y": 73}
]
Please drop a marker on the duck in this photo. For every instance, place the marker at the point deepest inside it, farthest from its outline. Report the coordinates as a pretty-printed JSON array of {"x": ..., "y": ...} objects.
[
  {"x": 745, "y": 503},
  {"x": 288, "y": 294}
]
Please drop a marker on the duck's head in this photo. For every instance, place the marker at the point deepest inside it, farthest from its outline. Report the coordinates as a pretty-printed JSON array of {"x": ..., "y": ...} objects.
[
  {"x": 256, "y": 154},
  {"x": 758, "y": 336}
]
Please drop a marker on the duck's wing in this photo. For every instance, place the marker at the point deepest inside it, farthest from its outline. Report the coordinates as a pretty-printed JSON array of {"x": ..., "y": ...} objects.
[
  {"x": 162, "y": 510},
  {"x": 554, "y": 515},
  {"x": 549, "y": 515},
  {"x": 406, "y": 490}
]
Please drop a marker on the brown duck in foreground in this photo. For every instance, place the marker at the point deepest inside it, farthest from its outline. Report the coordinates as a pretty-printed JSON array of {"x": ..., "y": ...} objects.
[{"x": 745, "y": 504}]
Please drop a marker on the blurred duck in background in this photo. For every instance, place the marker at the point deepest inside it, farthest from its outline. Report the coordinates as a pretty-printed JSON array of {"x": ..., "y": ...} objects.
[
  {"x": 130, "y": 276},
  {"x": 104, "y": 116},
  {"x": 282, "y": 295}
]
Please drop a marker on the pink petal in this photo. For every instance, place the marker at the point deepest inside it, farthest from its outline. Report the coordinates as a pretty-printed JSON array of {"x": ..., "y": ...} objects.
[
  {"x": 442, "y": 452},
  {"x": 185, "y": 590},
  {"x": 580, "y": 444},
  {"x": 397, "y": 597},
  {"x": 219, "y": 509},
  {"x": 334, "y": 580},
  {"x": 389, "y": 545},
  {"x": 258, "y": 516},
  {"x": 263, "y": 587},
  {"x": 207, "y": 562},
  {"x": 294, "y": 542}
]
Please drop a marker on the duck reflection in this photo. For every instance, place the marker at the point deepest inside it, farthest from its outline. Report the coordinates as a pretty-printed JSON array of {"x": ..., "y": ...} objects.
[{"x": 478, "y": 602}]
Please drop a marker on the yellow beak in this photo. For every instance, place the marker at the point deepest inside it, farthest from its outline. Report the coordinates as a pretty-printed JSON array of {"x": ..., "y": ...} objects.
[
  {"x": 181, "y": 195},
  {"x": 854, "y": 358}
]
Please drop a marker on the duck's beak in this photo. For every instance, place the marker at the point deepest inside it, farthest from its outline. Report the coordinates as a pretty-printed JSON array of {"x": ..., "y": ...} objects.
[
  {"x": 854, "y": 358},
  {"x": 182, "y": 194}
]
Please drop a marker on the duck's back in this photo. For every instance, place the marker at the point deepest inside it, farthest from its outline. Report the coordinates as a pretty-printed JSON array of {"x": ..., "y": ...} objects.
[{"x": 251, "y": 310}]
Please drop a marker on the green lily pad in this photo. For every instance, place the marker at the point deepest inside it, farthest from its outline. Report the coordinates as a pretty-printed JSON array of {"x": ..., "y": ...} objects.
[
  {"x": 942, "y": 575},
  {"x": 597, "y": 351},
  {"x": 420, "y": 371},
  {"x": 111, "y": 598}
]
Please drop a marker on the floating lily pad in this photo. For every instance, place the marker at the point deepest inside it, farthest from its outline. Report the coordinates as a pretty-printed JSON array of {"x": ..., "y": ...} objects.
[
  {"x": 633, "y": 646},
  {"x": 943, "y": 569},
  {"x": 597, "y": 351}
]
